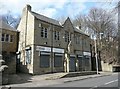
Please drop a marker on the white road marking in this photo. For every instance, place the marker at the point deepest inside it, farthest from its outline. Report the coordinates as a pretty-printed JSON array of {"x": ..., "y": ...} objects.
[
  {"x": 105, "y": 83},
  {"x": 111, "y": 82}
]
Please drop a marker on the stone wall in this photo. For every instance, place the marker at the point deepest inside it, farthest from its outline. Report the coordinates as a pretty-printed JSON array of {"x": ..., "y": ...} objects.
[
  {"x": 10, "y": 61},
  {"x": 106, "y": 67},
  {"x": 3, "y": 73}
]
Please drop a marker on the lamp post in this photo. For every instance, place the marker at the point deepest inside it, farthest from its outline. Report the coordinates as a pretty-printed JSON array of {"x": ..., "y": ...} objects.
[
  {"x": 101, "y": 41},
  {"x": 96, "y": 55}
]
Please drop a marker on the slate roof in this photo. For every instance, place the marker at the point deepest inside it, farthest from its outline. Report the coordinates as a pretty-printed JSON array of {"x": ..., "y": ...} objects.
[
  {"x": 3, "y": 25},
  {"x": 53, "y": 21},
  {"x": 78, "y": 30},
  {"x": 46, "y": 19}
]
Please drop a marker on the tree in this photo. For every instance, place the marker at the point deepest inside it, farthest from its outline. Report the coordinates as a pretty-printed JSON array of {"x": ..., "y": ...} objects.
[
  {"x": 118, "y": 8},
  {"x": 61, "y": 19},
  {"x": 80, "y": 21},
  {"x": 9, "y": 19},
  {"x": 101, "y": 23}
]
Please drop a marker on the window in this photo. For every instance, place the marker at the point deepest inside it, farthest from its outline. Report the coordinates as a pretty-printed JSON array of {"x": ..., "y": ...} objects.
[
  {"x": 39, "y": 24},
  {"x": 44, "y": 32},
  {"x": 67, "y": 36},
  {"x": 57, "y": 35},
  {"x": 77, "y": 40},
  {"x": 28, "y": 56},
  {"x": 3, "y": 37},
  {"x": 84, "y": 42},
  {"x": 7, "y": 38},
  {"x": 70, "y": 35},
  {"x": 11, "y": 38},
  {"x": 80, "y": 41}
]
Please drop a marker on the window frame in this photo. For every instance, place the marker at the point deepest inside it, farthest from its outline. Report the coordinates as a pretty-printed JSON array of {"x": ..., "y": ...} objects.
[
  {"x": 68, "y": 36},
  {"x": 11, "y": 38},
  {"x": 65, "y": 36},
  {"x": 7, "y": 38},
  {"x": 44, "y": 32},
  {"x": 3, "y": 37},
  {"x": 56, "y": 35}
]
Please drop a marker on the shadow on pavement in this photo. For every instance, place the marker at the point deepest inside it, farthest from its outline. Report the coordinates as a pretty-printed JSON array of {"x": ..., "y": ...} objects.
[{"x": 20, "y": 78}]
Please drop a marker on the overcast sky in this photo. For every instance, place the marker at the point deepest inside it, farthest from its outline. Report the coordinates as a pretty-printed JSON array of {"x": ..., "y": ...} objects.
[{"x": 55, "y": 8}]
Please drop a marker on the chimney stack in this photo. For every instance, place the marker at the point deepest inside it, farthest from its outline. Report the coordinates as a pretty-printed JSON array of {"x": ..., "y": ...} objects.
[{"x": 27, "y": 8}]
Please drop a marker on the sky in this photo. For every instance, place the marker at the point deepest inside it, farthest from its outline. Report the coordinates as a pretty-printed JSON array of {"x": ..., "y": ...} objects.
[{"x": 55, "y": 8}]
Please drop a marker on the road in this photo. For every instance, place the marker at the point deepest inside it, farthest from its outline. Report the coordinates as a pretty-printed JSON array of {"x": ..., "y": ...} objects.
[{"x": 91, "y": 83}]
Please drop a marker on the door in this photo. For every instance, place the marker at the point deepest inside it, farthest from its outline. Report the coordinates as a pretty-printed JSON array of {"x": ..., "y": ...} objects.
[
  {"x": 80, "y": 63},
  {"x": 72, "y": 64}
]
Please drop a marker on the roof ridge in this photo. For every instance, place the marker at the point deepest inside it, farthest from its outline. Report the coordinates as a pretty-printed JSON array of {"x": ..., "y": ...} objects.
[{"x": 46, "y": 17}]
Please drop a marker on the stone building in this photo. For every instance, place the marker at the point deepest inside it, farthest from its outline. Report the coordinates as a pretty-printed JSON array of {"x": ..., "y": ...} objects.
[
  {"x": 47, "y": 46},
  {"x": 8, "y": 45}
]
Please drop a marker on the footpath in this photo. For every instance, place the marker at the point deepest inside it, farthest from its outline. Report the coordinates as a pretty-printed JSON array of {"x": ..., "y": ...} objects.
[{"x": 26, "y": 80}]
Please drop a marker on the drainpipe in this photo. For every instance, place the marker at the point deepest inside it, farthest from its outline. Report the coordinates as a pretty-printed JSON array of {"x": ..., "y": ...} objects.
[
  {"x": 52, "y": 54},
  {"x": 82, "y": 55},
  {"x": 25, "y": 35}
]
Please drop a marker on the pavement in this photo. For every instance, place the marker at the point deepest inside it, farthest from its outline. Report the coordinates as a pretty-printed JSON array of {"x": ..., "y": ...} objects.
[{"x": 26, "y": 80}]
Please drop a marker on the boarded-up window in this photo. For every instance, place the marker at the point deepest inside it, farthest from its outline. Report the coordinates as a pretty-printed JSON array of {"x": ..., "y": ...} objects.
[
  {"x": 44, "y": 60},
  {"x": 58, "y": 61}
]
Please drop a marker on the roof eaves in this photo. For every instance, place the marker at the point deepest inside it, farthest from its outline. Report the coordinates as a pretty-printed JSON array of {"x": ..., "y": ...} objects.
[
  {"x": 3, "y": 25},
  {"x": 78, "y": 30}
]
